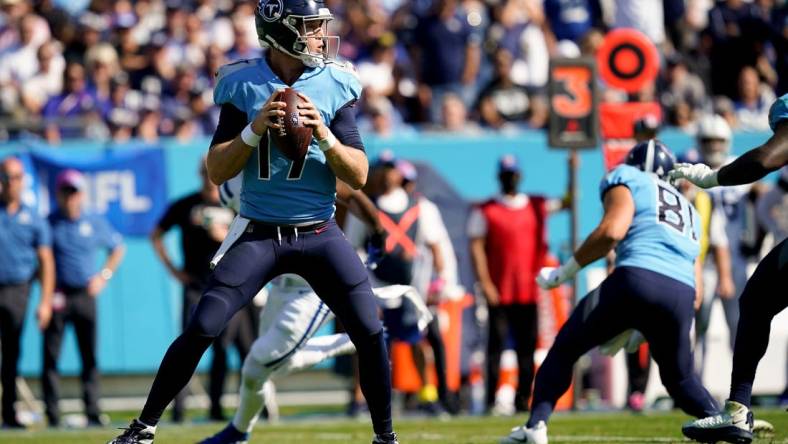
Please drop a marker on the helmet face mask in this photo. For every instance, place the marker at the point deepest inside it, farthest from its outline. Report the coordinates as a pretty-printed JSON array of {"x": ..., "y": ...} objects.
[
  {"x": 312, "y": 29},
  {"x": 714, "y": 151},
  {"x": 714, "y": 140},
  {"x": 299, "y": 28}
]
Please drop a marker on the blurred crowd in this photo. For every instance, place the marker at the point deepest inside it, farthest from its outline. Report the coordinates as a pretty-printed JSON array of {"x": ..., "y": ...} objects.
[{"x": 145, "y": 68}]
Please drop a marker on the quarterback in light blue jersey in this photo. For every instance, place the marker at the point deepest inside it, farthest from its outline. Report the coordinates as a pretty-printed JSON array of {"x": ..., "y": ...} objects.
[
  {"x": 764, "y": 296},
  {"x": 652, "y": 289},
  {"x": 275, "y": 188},
  {"x": 287, "y": 206}
]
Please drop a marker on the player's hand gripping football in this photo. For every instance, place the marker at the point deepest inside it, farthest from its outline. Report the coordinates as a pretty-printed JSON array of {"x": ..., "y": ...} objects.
[
  {"x": 269, "y": 115},
  {"x": 699, "y": 174},
  {"x": 312, "y": 117}
]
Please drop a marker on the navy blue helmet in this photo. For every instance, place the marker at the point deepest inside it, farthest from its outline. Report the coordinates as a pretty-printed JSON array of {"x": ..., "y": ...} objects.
[
  {"x": 651, "y": 156},
  {"x": 287, "y": 24}
]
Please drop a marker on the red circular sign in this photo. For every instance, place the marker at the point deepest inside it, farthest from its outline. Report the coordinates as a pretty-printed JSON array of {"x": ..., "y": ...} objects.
[{"x": 627, "y": 60}]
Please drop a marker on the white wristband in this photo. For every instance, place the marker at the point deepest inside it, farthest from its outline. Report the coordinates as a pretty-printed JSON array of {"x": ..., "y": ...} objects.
[
  {"x": 327, "y": 143},
  {"x": 250, "y": 137},
  {"x": 570, "y": 268}
]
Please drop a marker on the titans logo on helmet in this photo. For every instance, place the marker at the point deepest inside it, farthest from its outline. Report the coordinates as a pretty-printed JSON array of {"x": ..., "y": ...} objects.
[{"x": 270, "y": 10}]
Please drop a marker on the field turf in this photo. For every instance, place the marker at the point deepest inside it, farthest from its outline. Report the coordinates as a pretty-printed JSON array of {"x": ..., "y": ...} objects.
[{"x": 564, "y": 428}]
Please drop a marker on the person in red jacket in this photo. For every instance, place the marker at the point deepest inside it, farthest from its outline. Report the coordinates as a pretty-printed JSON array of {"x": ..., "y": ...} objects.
[{"x": 508, "y": 241}]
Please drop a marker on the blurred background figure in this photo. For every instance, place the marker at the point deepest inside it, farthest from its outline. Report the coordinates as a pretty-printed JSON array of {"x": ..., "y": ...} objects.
[
  {"x": 414, "y": 229},
  {"x": 714, "y": 146},
  {"x": 446, "y": 58},
  {"x": 508, "y": 246},
  {"x": 29, "y": 238},
  {"x": 203, "y": 223},
  {"x": 78, "y": 107},
  {"x": 77, "y": 237},
  {"x": 755, "y": 98}
]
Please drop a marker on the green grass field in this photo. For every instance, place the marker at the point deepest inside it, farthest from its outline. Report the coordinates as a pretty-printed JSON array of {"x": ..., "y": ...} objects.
[{"x": 564, "y": 428}]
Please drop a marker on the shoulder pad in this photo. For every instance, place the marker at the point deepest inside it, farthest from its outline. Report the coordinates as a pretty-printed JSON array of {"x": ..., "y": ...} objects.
[
  {"x": 230, "y": 68},
  {"x": 778, "y": 112},
  {"x": 346, "y": 66}
]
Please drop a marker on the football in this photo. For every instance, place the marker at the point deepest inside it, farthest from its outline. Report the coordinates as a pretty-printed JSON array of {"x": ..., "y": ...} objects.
[{"x": 293, "y": 138}]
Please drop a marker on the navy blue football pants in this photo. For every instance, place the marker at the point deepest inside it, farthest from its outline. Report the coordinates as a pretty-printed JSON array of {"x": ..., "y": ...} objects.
[
  {"x": 630, "y": 298},
  {"x": 328, "y": 262},
  {"x": 765, "y": 295}
]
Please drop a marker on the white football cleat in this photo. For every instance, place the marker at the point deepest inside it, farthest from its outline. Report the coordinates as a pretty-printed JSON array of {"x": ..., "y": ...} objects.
[
  {"x": 524, "y": 435},
  {"x": 733, "y": 424}
]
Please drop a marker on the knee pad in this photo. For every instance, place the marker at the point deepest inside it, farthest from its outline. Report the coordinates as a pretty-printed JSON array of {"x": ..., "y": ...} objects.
[
  {"x": 370, "y": 342},
  {"x": 210, "y": 317}
]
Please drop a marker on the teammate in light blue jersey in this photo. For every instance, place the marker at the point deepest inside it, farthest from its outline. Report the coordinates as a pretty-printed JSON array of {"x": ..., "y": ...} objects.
[
  {"x": 664, "y": 233},
  {"x": 652, "y": 289},
  {"x": 763, "y": 297},
  {"x": 287, "y": 207}
]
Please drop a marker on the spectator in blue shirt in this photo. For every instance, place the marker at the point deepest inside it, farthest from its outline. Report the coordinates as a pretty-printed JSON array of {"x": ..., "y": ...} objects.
[
  {"x": 76, "y": 106},
  {"x": 76, "y": 238},
  {"x": 25, "y": 245},
  {"x": 571, "y": 19}
]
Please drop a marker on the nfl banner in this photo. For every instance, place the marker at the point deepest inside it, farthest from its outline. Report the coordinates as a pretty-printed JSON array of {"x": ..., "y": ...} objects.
[{"x": 128, "y": 186}]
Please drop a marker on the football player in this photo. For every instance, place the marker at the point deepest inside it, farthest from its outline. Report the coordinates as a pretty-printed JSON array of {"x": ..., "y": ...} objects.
[
  {"x": 758, "y": 303},
  {"x": 292, "y": 315},
  {"x": 655, "y": 232},
  {"x": 289, "y": 205}
]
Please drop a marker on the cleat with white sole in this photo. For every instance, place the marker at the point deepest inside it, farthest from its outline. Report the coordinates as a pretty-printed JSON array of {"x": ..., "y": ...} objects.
[
  {"x": 734, "y": 425},
  {"x": 762, "y": 429},
  {"x": 136, "y": 433},
  {"x": 525, "y": 435}
]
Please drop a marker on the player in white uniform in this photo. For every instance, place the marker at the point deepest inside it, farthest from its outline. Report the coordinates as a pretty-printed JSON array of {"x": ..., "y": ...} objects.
[{"x": 292, "y": 315}]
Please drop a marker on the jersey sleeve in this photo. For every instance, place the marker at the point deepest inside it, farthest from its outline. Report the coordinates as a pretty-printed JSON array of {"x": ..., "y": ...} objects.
[
  {"x": 108, "y": 236},
  {"x": 228, "y": 88},
  {"x": 622, "y": 175},
  {"x": 778, "y": 112},
  {"x": 230, "y": 193},
  {"x": 430, "y": 222},
  {"x": 348, "y": 81},
  {"x": 477, "y": 224},
  {"x": 173, "y": 216},
  {"x": 43, "y": 234}
]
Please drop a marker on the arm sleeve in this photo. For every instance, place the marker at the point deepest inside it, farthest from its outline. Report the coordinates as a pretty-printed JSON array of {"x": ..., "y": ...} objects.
[
  {"x": 43, "y": 234},
  {"x": 344, "y": 126},
  {"x": 477, "y": 225},
  {"x": 620, "y": 176},
  {"x": 108, "y": 236},
  {"x": 430, "y": 223},
  {"x": 173, "y": 215},
  {"x": 778, "y": 112},
  {"x": 231, "y": 122}
]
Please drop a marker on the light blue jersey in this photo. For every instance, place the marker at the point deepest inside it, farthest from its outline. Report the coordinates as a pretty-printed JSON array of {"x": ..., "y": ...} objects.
[
  {"x": 778, "y": 112},
  {"x": 276, "y": 189},
  {"x": 665, "y": 230}
]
